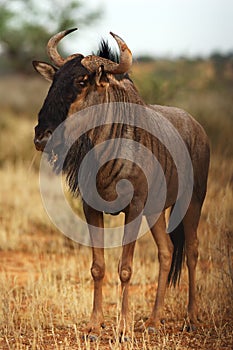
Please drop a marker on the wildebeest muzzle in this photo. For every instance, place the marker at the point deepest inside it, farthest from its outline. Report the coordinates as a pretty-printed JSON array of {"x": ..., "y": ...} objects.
[{"x": 41, "y": 140}]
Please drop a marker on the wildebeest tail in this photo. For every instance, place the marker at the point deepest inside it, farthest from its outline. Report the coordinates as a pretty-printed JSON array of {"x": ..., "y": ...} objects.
[{"x": 178, "y": 239}]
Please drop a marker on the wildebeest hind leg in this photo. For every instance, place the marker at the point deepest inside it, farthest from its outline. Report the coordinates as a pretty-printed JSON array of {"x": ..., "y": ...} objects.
[
  {"x": 190, "y": 222},
  {"x": 165, "y": 250}
]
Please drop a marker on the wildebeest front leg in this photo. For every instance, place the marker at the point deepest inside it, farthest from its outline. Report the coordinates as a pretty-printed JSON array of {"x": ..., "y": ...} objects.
[
  {"x": 96, "y": 229},
  {"x": 125, "y": 264}
]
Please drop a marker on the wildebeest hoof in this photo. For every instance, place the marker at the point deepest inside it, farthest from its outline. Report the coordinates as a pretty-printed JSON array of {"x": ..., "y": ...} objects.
[
  {"x": 91, "y": 337},
  {"x": 124, "y": 339},
  {"x": 151, "y": 329},
  {"x": 144, "y": 328},
  {"x": 189, "y": 327}
]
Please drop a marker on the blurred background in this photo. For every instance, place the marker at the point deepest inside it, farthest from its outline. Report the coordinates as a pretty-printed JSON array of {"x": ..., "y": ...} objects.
[{"x": 183, "y": 56}]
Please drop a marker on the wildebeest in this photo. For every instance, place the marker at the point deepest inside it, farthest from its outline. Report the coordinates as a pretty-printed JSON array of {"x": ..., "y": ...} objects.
[{"x": 79, "y": 82}]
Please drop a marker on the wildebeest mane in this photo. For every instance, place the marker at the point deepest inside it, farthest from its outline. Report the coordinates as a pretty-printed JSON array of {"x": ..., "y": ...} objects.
[
  {"x": 107, "y": 52},
  {"x": 73, "y": 161}
]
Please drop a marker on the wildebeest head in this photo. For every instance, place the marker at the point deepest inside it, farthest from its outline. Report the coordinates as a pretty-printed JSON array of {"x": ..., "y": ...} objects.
[{"x": 78, "y": 82}]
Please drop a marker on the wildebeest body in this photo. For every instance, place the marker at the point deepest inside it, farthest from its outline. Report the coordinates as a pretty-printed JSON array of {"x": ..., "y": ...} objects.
[{"x": 101, "y": 88}]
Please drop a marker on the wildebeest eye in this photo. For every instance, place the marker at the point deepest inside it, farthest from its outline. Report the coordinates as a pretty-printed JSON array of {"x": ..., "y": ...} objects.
[{"x": 81, "y": 81}]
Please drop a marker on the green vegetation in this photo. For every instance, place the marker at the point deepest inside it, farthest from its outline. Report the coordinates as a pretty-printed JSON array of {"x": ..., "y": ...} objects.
[{"x": 24, "y": 23}]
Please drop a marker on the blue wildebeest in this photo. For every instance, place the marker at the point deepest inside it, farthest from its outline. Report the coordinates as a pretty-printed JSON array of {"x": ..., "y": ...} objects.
[{"x": 79, "y": 82}]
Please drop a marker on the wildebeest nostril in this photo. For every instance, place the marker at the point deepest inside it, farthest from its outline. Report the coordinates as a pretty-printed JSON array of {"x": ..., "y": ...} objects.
[
  {"x": 40, "y": 142},
  {"x": 36, "y": 141}
]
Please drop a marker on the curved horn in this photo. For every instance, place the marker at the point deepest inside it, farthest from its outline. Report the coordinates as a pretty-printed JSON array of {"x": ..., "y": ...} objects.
[
  {"x": 52, "y": 47},
  {"x": 93, "y": 62}
]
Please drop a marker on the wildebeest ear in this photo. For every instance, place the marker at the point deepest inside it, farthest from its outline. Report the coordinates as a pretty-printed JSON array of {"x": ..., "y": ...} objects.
[
  {"x": 46, "y": 70},
  {"x": 101, "y": 78}
]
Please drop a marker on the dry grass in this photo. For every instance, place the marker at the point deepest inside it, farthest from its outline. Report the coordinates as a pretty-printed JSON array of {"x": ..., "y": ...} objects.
[{"x": 46, "y": 285}]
